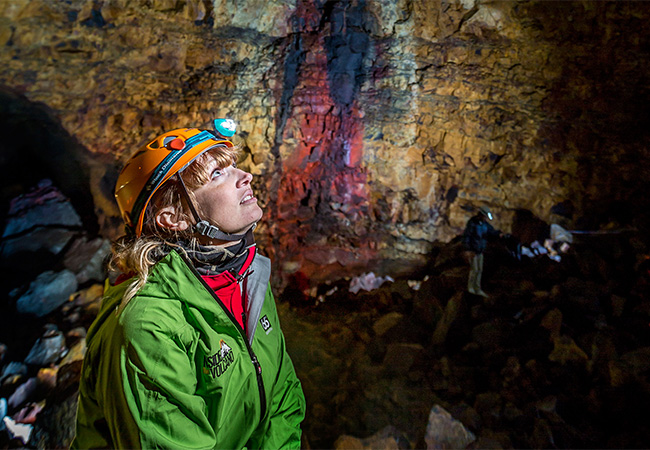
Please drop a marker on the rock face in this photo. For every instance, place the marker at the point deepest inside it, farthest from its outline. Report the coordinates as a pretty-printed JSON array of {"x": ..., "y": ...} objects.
[{"x": 373, "y": 127}]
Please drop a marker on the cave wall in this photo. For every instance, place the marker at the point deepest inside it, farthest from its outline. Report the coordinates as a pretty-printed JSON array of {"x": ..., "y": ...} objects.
[{"x": 373, "y": 127}]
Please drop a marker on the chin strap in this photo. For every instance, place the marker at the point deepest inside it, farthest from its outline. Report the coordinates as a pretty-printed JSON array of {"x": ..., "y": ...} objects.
[{"x": 204, "y": 228}]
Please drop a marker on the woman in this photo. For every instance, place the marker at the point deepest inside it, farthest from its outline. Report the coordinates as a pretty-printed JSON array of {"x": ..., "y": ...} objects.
[{"x": 187, "y": 351}]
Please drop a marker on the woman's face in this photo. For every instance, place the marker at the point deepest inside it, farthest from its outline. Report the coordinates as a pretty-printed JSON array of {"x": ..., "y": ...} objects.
[{"x": 227, "y": 199}]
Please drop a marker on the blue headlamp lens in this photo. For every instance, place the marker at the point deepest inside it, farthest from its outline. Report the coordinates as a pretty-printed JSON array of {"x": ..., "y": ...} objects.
[{"x": 225, "y": 127}]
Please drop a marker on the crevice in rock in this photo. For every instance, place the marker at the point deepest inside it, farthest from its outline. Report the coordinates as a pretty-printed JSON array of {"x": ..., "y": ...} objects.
[{"x": 36, "y": 146}]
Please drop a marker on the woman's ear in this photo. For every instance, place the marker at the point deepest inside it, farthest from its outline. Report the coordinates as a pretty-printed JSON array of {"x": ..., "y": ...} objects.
[{"x": 168, "y": 218}]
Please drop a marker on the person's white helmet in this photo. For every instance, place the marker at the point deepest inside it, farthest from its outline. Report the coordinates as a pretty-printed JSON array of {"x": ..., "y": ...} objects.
[{"x": 486, "y": 212}]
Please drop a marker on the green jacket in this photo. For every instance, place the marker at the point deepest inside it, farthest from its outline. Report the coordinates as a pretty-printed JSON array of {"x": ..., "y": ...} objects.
[{"x": 173, "y": 370}]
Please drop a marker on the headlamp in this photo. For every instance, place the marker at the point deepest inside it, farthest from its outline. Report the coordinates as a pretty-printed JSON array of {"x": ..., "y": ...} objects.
[{"x": 225, "y": 127}]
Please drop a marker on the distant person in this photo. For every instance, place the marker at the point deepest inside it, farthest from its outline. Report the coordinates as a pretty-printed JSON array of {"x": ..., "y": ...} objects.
[
  {"x": 475, "y": 239},
  {"x": 187, "y": 351}
]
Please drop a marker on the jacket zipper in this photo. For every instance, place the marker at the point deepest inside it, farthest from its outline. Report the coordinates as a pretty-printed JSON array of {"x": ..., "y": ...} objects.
[
  {"x": 260, "y": 384},
  {"x": 251, "y": 353}
]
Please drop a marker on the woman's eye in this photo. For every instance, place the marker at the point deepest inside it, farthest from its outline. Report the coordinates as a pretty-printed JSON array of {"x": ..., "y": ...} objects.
[
  {"x": 234, "y": 165},
  {"x": 217, "y": 173}
]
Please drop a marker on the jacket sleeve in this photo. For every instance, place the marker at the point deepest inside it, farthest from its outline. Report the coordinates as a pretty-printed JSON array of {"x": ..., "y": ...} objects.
[
  {"x": 492, "y": 232},
  {"x": 287, "y": 403},
  {"x": 157, "y": 407}
]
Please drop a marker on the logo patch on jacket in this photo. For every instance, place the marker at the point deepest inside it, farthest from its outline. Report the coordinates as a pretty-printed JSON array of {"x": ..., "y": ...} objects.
[
  {"x": 217, "y": 364},
  {"x": 266, "y": 324}
]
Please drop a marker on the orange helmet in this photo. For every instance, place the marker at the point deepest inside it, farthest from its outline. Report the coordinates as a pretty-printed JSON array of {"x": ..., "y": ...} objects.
[{"x": 158, "y": 161}]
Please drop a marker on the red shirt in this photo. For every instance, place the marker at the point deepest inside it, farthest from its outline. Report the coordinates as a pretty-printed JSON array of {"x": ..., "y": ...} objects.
[
  {"x": 231, "y": 289},
  {"x": 229, "y": 292}
]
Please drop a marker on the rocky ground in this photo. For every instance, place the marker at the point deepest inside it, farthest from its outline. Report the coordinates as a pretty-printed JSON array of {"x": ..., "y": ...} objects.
[{"x": 557, "y": 357}]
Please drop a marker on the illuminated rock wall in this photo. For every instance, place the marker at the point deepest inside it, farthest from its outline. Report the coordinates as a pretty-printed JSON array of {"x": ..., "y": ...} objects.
[{"x": 373, "y": 127}]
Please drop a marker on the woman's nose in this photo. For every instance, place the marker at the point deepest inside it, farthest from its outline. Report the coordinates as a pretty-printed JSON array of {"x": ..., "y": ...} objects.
[{"x": 244, "y": 178}]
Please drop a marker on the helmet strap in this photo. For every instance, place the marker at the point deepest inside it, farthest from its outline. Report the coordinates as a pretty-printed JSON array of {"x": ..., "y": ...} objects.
[{"x": 203, "y": 227}]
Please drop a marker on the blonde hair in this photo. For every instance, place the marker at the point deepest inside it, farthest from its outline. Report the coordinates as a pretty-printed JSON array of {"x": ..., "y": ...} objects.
[{"x": 137, "y": 255}]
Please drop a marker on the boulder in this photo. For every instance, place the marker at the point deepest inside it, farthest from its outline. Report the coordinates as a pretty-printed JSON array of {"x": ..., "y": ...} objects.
[{"x": 47, "y": 292}]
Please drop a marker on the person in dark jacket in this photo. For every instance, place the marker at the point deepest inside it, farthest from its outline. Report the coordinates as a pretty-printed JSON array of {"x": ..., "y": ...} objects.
[
  {"x": 186, "y": 351},
  {"x": 475, "y": 239}
]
